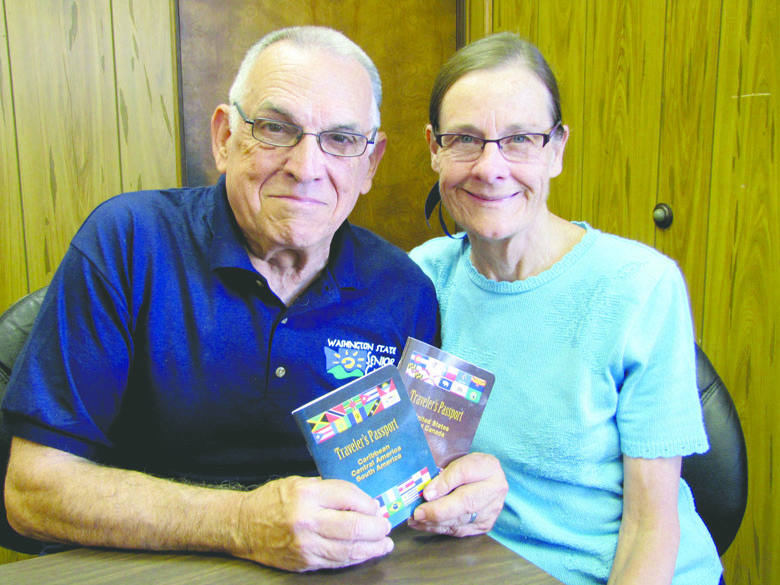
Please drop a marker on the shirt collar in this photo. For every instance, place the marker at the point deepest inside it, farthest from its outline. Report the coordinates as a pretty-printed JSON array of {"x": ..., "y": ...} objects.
[
  {"x": 342, "y": 262},
  {"x": 227, "y": 245}
]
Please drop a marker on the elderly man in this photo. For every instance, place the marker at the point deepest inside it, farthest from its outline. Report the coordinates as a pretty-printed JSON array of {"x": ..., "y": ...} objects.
[{"x": 183, "y": 326}]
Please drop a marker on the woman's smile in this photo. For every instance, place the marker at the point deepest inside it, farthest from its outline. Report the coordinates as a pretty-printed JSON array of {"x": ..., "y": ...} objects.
[{"x": 491, "y": 198}]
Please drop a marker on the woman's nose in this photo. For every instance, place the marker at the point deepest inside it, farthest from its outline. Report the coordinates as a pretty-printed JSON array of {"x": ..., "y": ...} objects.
[{"x": 491, "y": 164}]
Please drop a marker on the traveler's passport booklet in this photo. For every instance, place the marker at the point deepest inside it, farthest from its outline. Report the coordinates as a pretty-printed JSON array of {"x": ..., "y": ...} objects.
[
  {"x": 367, "y": 432},
  {"x": 449, "y": 395}
]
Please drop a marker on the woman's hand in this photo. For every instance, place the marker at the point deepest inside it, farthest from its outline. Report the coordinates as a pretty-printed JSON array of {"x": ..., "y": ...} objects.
[{"x": 464, "y": 499}]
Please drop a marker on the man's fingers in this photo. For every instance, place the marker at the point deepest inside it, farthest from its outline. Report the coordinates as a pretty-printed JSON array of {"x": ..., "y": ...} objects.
[
  {"x": 337, "y": 494},
  {"x": 302, "y": 524},
  {"x": 352, "y": 526},
  {"x": 335, "y": 553}
]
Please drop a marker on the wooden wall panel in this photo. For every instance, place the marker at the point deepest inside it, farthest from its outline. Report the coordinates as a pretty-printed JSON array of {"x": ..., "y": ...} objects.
[
  {"x": 561, "y": 37},
  {"x": 407, "y": 53},
  {"x": 90, "y": 90},
  {"x": 13, "y": 266},
  {"x": 624, "y": 67},
  {"x": 742, "y": 298},
  {"x": 66, "y": 121},
  {"x": 144, "y": 45},
  {"x": 686, "y": 140},
  {"x": 517, "y": 17},
  {"x": 477, "y": 19}
]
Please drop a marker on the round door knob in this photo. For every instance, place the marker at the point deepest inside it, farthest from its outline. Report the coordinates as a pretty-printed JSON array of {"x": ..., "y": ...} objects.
[{"x": 662, "y": 215}]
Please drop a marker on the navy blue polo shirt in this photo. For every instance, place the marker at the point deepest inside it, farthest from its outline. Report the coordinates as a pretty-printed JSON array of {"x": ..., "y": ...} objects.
[{"x": 160, "y": 348}]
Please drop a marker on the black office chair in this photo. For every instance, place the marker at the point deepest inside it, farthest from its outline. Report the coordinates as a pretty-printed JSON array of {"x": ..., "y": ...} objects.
[
  {"x": 15, "y": 325},
  {"x": 718, "y": 478}
]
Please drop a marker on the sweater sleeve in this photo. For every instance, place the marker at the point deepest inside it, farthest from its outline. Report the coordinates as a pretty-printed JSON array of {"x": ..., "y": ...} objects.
[{"x": 659, "y": 413}]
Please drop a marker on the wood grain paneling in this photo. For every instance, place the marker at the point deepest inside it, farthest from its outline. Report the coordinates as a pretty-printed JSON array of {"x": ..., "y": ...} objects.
[
  {"x": 13, "y": 265},
  {"x": 10, "y": 556},
  {"x": 623, "y": 80},
  {"x": 144, "y": 47},
  {"x": 89, "y": 109},
  {"x": 478, "y": 19},
  {"x": 561, "y": 37},
  {"x": 742, "y": 302},
  {"x": 686, "y": 142},
  {"x": 63, "y": 80},
  {"x": 517, "y": 17},
  {"x": 408, "y": 41}
]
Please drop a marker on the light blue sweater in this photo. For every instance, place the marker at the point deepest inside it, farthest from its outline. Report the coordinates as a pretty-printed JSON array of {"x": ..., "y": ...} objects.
[{"x": 594, "y": 358}]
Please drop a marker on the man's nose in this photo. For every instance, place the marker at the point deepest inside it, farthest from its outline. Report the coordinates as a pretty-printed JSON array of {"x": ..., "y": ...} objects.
[{"x": 306, "y": 161}]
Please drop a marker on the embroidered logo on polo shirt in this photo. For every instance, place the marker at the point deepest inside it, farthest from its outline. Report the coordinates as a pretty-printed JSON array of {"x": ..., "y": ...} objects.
[{"x": 352, "y": 359}]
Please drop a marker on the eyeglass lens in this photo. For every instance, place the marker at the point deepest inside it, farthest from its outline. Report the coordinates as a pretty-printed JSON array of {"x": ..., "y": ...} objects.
[
  {"x": 516, "y": 147},
  {"x": 332, "y": 142}
]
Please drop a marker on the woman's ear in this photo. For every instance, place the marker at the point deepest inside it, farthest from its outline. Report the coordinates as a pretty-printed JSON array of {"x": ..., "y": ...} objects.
[
  {"x": 434, "y": 147},
  {"x": 559, "y": 146},
  {"x": 220, "y": 133}
]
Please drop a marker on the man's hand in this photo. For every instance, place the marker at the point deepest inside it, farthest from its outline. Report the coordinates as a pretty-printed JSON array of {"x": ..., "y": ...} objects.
[
  {"x": 464, "y": 499},
  {"x": 302, "y": 524}
]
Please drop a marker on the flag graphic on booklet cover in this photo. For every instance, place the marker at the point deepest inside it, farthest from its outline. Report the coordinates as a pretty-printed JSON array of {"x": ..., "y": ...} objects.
[
  {"x": 367, "y": 432},
  {"x": 449, "y": 394},
  {"x": 406, "y": 494},
  {"x": 353, "y": 411}
]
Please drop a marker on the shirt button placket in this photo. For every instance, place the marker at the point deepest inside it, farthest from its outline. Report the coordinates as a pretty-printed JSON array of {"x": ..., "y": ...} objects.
[{"x": 281, "y": 371}]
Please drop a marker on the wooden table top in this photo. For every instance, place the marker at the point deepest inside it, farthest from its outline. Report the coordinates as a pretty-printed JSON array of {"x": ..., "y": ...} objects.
[{"x": 418, "y": 558}]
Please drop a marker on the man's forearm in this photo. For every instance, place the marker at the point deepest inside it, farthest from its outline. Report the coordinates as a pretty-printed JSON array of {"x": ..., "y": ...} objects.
[
  {"x": 292, "y": 523},
  {"x": 56, "y": 496}
]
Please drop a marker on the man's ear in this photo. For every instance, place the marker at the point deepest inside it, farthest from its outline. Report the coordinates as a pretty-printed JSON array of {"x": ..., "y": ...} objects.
[
  {"x": 380, "y": 143},
  {"x": 220, "y": 133},
  {"x": 433, "y": 146}
]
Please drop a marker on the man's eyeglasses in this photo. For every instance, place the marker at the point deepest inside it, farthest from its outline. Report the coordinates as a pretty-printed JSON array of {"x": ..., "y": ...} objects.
[
  {"x": 335, "y": 142},
  {"x": 516, "y": 148}
]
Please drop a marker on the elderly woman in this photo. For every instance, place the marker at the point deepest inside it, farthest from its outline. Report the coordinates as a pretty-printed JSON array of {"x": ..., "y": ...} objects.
[{"x": 589, "y": 335}]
